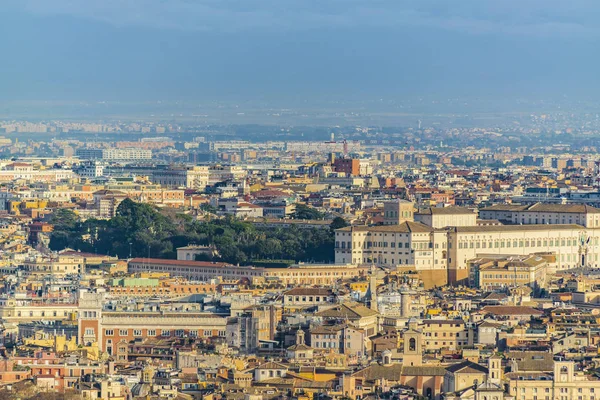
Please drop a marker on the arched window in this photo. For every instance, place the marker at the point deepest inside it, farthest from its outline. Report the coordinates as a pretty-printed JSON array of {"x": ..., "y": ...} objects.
[{"x": 412, "y": 344}]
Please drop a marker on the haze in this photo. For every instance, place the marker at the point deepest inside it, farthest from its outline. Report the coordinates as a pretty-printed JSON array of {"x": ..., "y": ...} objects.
[{"x": 280, "y": 51}]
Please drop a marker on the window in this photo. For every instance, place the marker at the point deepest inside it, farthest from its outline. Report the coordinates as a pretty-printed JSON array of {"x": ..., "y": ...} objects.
[
  {"x": 137, "y": 332},
  {"x": 412, "y": 344},
  {"x": 122, "y": 332},
  {"x": 151, "y": 332},
  {"x": 109, "y": 332}
]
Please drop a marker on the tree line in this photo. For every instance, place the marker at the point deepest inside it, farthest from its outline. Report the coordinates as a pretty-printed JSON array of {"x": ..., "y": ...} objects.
[{"x": 141, "y": 230}]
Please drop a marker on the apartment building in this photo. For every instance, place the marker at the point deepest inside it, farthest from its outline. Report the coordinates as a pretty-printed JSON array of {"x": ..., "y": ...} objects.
[
  {"x": 341, "y": 339},
  {"x": 507, "y": 272},
  {"x": 563, "y": 383},
  {"x": 128, "y": 154},
  {"x": 444, "y": 334},
  {"x": 111, "y": 328}
]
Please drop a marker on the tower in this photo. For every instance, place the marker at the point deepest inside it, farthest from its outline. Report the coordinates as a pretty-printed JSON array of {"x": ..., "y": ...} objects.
[
  {"x": 563, "y": 371},
  {"x": 412, "y": 354},
  {"x": 373, "y": 289},
  {"x": 89, "y": 319},
  {"x": 397, "y": 211},
  {"x": 495, "y": 370},
  {"x": 300, "y": 336}
]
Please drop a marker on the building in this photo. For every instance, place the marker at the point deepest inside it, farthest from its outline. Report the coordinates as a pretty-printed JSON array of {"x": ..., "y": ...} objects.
[
  {"x": 441, "y": 217},
  {"x": 196, "y": 177},
  {"x": 302, "y": 298},
  {"x": 441, "y": 334},
  {"x": 299, "y": 274},
  {"x": 396, "y": 212},
  {"x": 410, "y": 244},
  {"x": 540, "y": 213},
  {"x": 242, "y": 333},
  {"x": 128, "y": 154},
  {"x": 510, "y": 272},
  {"x": 348, "y": 166},
  {"x": 563, "y": 382},
  {"x": 341, "y": 339},
  {"x": 111, "y": 328},
  {"x": 573, "y": 245}
]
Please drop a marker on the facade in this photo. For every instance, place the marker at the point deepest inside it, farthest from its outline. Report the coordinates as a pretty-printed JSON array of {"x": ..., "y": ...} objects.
[
  {"x": 407, "y": 244},
  {"x": 395, "y": 212},
  {"x": 539, "y": 213},
  {"x": 563, "y": 384},
  {"x": 445, "y": 334},
  {"x": 341, "y": 339},
  {"x": 510, "y": 272},
  {"x": 442, "y": 217},
  {"x": 111, "y": 329},
  {"x": 573, "y": 245},
  {"x": 305, "y": 274},
  {"x": 128, "y": 154},
  {"x": 196, "y": 177}
]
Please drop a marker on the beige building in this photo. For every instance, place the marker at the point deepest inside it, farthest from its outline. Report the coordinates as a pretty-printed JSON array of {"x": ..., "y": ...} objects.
[
  {"x": 61, "y": 265},
  {"x": 300, "y": 274},
  {"x": 563, "y": 384},
  {"x": 398, "y": 211},
  {"x": 540, "y": 213},
  {"x": 16, "y": 310},
  {"x": 508, "y": 272},
  {"x": 573, "y": 245},
  {"x": 444, "y": 334},
  {"x": 195, "y": 177},
  {"x": 410, "y": 243},
  {"x": 441, "y": 217}
]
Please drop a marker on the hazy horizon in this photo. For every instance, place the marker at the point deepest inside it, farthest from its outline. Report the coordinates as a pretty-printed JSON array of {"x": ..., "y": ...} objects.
[{"x": 289, "y": 52}]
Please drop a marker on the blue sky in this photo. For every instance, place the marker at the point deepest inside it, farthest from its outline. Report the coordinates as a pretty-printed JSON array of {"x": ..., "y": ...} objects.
[{"x": 247, "y": 49}]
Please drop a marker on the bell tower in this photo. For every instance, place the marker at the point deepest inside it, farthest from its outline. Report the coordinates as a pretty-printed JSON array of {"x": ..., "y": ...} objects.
[
  {"x": 495, "y": 370},
  {"x": 412, "y": 353},
  {"x": 89, "y": 319}
]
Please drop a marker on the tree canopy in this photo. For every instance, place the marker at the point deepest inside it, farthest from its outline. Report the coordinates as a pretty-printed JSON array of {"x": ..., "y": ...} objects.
[
  {"x": 302, "y": 211},
  {"x": 142, "y": 230}
]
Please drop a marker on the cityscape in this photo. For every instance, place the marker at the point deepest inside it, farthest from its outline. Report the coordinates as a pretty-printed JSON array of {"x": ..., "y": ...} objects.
[
  {"x": 300, "y": 200},
  {"x": 373, "y": 263}
]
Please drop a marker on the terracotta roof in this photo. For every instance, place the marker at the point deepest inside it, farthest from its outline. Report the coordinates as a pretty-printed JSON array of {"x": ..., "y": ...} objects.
[
  {"x": 405, "y": 227},
  {"x": 510, "y": 228},
  {"x": 511, "y": 310},
  {"x": 453, "y": 210},
  {"x": 299, "y": 291},
  {"x": 466, "y": 367},
  {"x": 443, "y": 321},
  {"x": 272, "y": 365},
  {"x": 352, "y": 312},
  {"x": 182, "y": 263}
]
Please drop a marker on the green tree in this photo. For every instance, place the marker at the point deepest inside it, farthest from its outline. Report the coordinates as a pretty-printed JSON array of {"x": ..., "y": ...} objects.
[
  {"x": 302, "y": 211},
  {"x": 337, "y": 223}
]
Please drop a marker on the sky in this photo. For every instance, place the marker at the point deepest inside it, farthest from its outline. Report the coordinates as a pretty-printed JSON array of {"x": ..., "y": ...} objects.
[{"x": 138, "y": 50}]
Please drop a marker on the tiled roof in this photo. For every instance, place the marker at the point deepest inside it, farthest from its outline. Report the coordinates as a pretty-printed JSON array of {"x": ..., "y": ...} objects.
[
  {"x": 511, "y": 310},
  {"x": 405, "y": 227}
]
